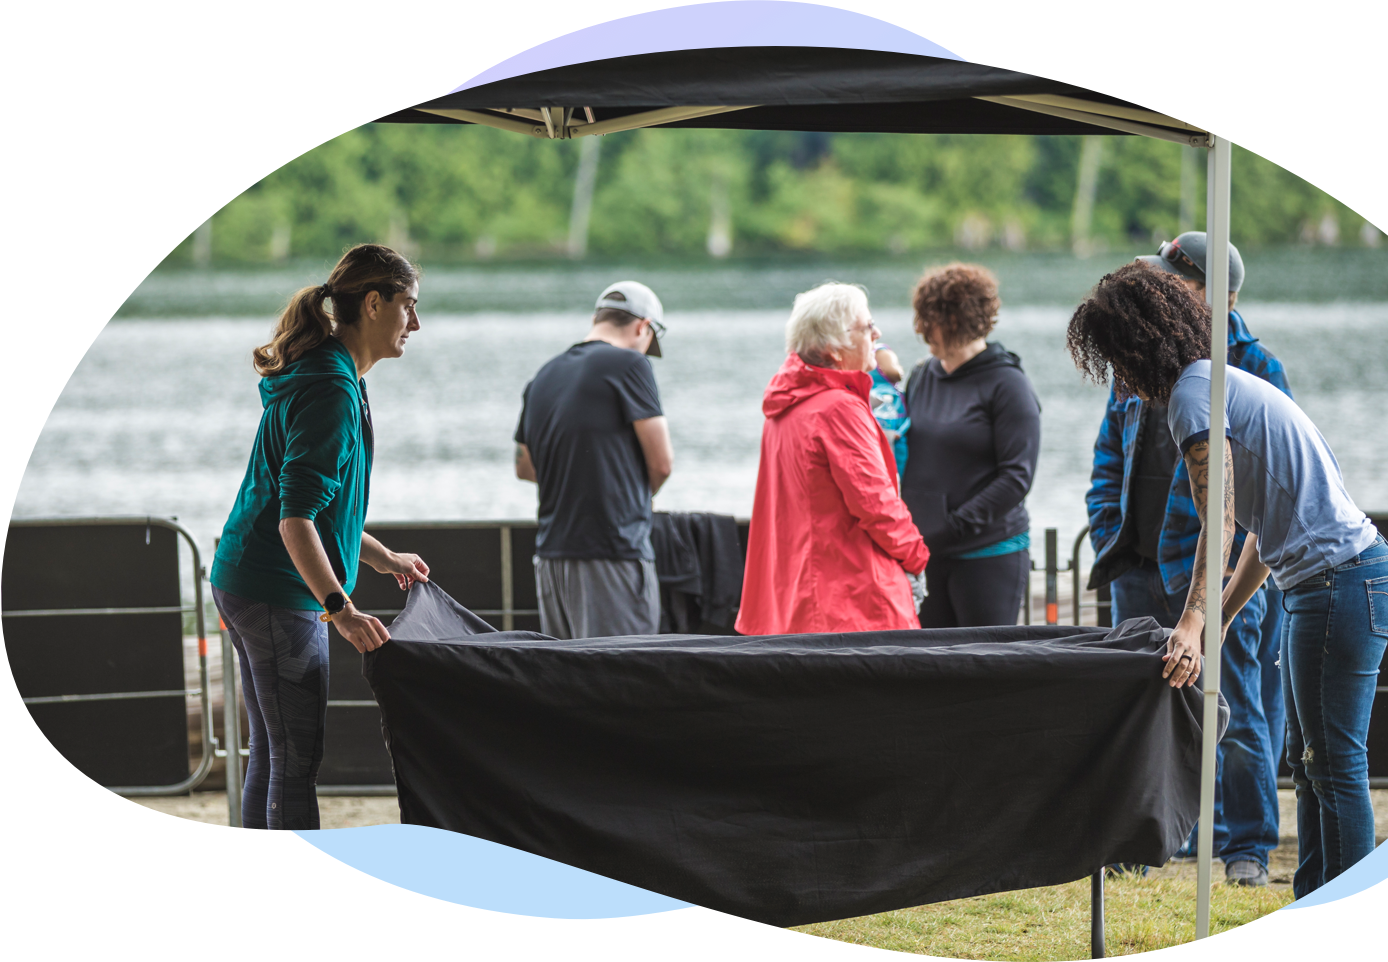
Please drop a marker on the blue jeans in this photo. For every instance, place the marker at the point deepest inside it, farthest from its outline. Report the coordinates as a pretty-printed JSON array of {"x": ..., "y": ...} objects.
[
  {"x": 1270, "y": 654},
  {"x": 1246, "y": 817},
  {"x": 1140, "y": 592},
  {"x": 1332, "y": 643},
  {"x": 284, "y": 677}
]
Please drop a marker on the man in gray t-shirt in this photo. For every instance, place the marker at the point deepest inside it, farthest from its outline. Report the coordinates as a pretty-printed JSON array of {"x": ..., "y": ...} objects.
[{"x": 1288, "y": 489}]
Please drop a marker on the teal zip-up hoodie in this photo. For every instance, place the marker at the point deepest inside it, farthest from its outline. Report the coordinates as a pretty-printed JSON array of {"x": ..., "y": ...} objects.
[{"x": 312, "y": 459}]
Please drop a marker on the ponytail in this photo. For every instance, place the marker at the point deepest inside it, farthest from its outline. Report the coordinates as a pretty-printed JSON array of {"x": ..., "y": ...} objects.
[{"x": 305, "y": 324}]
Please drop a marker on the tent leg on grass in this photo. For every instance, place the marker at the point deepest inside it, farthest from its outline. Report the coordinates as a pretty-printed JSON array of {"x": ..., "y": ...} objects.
[{"x": 1096, "y": 915}]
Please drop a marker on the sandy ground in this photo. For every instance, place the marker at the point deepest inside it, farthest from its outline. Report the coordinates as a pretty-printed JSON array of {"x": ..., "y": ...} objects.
[{"x": 333, "y": 812}]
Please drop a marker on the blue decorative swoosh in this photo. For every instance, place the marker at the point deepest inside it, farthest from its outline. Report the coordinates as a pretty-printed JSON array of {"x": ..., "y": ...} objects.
[
  {"x": 484, "y": 875},
  {"x": 1366, "y": 873}
]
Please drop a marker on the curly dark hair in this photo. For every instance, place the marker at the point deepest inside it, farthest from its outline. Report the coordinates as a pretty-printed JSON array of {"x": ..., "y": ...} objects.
[
  {"x": 959, "y": 301},
  {"x": 1145, "y": 326}
]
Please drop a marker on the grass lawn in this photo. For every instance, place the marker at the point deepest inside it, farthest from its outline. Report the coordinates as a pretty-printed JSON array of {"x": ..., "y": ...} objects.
[
  {"x": 1047, "y": 923},
  {"x": 1053, "y": 923}
]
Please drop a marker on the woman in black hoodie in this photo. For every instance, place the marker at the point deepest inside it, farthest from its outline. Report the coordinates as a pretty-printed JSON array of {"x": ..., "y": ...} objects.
[{"x": 974, "y": 438}]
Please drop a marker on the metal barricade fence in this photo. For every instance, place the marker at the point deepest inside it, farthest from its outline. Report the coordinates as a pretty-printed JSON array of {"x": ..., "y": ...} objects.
[
  {"x": 1101, "y": 604},
  {"x": 512, "y": 581},
  {"x": 487, "y": 565},
  {"x": 63, "y": 600},
  {"x": 47, "y": 560}
]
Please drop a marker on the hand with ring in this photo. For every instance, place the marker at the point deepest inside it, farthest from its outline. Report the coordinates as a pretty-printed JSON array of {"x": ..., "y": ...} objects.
[{"x": 1182, "y": 655}]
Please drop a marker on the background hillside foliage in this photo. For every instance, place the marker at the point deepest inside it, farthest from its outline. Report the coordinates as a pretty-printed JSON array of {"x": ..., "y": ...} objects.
[{"x": 460, "y": 193}]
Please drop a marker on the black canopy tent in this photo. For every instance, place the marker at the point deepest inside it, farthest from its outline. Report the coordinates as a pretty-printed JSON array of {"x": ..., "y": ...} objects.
[
  {"x": 791, "y": 88},
  {"x": 769, "y": 75},
  {"x": 777, "y": 65},
  {"x": 850, "y": 90}
]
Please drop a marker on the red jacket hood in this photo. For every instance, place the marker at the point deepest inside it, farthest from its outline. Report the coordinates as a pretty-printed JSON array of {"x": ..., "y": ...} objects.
[{"x": 796, "y": 381}]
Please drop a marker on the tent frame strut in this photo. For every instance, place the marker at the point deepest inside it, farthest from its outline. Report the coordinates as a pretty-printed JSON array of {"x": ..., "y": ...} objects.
[
  {"x": 564, "y": 123},
  {"x": 1106, "y": 115}
]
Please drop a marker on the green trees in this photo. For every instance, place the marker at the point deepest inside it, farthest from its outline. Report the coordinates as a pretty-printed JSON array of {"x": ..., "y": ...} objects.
[{"x": 452, "y": 193}]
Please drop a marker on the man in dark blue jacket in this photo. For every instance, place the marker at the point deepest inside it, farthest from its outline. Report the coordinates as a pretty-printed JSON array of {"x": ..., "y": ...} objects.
[{"x": 1144, "y": 527}]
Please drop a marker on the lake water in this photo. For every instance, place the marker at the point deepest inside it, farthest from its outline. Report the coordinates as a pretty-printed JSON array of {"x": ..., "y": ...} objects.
[{"x": 160, "y": 415}]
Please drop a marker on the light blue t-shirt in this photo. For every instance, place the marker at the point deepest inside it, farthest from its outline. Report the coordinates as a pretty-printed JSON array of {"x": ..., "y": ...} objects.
[{"x": 1288, "y": 489}]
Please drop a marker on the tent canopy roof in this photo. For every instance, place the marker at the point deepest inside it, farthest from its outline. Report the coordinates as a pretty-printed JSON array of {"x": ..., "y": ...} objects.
[{"x": 791, "y": 88}]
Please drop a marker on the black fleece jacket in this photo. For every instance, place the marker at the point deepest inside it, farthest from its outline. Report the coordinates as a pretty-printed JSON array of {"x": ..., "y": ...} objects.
[{"x": 975, "y": 435}]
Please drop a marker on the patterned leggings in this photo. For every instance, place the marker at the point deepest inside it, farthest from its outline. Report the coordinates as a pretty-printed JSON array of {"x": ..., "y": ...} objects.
[{"x": 284, "y": 675}]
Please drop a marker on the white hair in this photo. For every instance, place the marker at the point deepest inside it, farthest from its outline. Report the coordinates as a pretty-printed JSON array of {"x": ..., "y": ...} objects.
[{"x": 820, "y": 319}]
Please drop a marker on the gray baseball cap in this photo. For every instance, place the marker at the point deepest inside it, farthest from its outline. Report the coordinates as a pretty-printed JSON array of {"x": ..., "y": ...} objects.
[
  {"x": 639, "y": 300},
  {"x": 1186, "y": 256}
]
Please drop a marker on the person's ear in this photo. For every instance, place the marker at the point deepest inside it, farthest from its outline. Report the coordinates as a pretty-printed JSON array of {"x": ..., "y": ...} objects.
[{"x": 371, "y": 304}]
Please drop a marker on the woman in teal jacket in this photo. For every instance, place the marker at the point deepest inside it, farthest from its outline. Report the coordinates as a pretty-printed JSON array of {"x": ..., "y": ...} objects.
[{"x": 295, "y": 535}]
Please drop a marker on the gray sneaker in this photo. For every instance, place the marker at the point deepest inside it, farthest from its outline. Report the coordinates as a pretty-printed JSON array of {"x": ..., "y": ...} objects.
[{"x": 1245, "y": 872}]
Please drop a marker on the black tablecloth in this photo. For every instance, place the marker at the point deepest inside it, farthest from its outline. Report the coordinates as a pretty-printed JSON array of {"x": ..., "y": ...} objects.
[{"x": 795, "y": 778}]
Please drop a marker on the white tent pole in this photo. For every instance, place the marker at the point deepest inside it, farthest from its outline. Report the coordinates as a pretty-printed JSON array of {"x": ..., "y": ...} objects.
[{"x": 1217, "y": 294}]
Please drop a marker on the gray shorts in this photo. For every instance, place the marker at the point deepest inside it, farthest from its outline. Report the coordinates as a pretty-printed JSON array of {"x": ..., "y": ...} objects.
[{"x": 596, "y": 597}]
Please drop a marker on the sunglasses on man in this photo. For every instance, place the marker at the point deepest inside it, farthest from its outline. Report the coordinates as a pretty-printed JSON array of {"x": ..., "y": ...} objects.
[{"x": 1179, "y": 259}]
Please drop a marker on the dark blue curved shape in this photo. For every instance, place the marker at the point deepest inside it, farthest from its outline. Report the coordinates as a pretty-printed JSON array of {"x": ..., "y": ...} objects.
[
  {"x": 484, "y": 875},
  {"x": 732, "y": 23}
]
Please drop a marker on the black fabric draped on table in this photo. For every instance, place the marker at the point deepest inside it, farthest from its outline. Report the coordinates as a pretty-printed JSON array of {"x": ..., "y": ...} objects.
[{"x": 795, "y": 778}]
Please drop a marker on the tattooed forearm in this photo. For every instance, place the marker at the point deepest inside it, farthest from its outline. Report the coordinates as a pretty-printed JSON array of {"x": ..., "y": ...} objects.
[
  {"x": 1195, "y": 599},
  {"x": 1198, "y": 464},
  {"x": 1227, "y": 545}
]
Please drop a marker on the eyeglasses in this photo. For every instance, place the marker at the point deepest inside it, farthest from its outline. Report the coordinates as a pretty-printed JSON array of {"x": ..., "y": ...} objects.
[
  {"x": 871, "y": 328},
  {"x": 657, "y": 328},
  {"x": 1172, "y": 254}
]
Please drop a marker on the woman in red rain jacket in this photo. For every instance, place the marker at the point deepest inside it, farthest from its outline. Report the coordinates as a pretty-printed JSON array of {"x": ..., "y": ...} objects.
[{"x": 832, "y": 546}]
